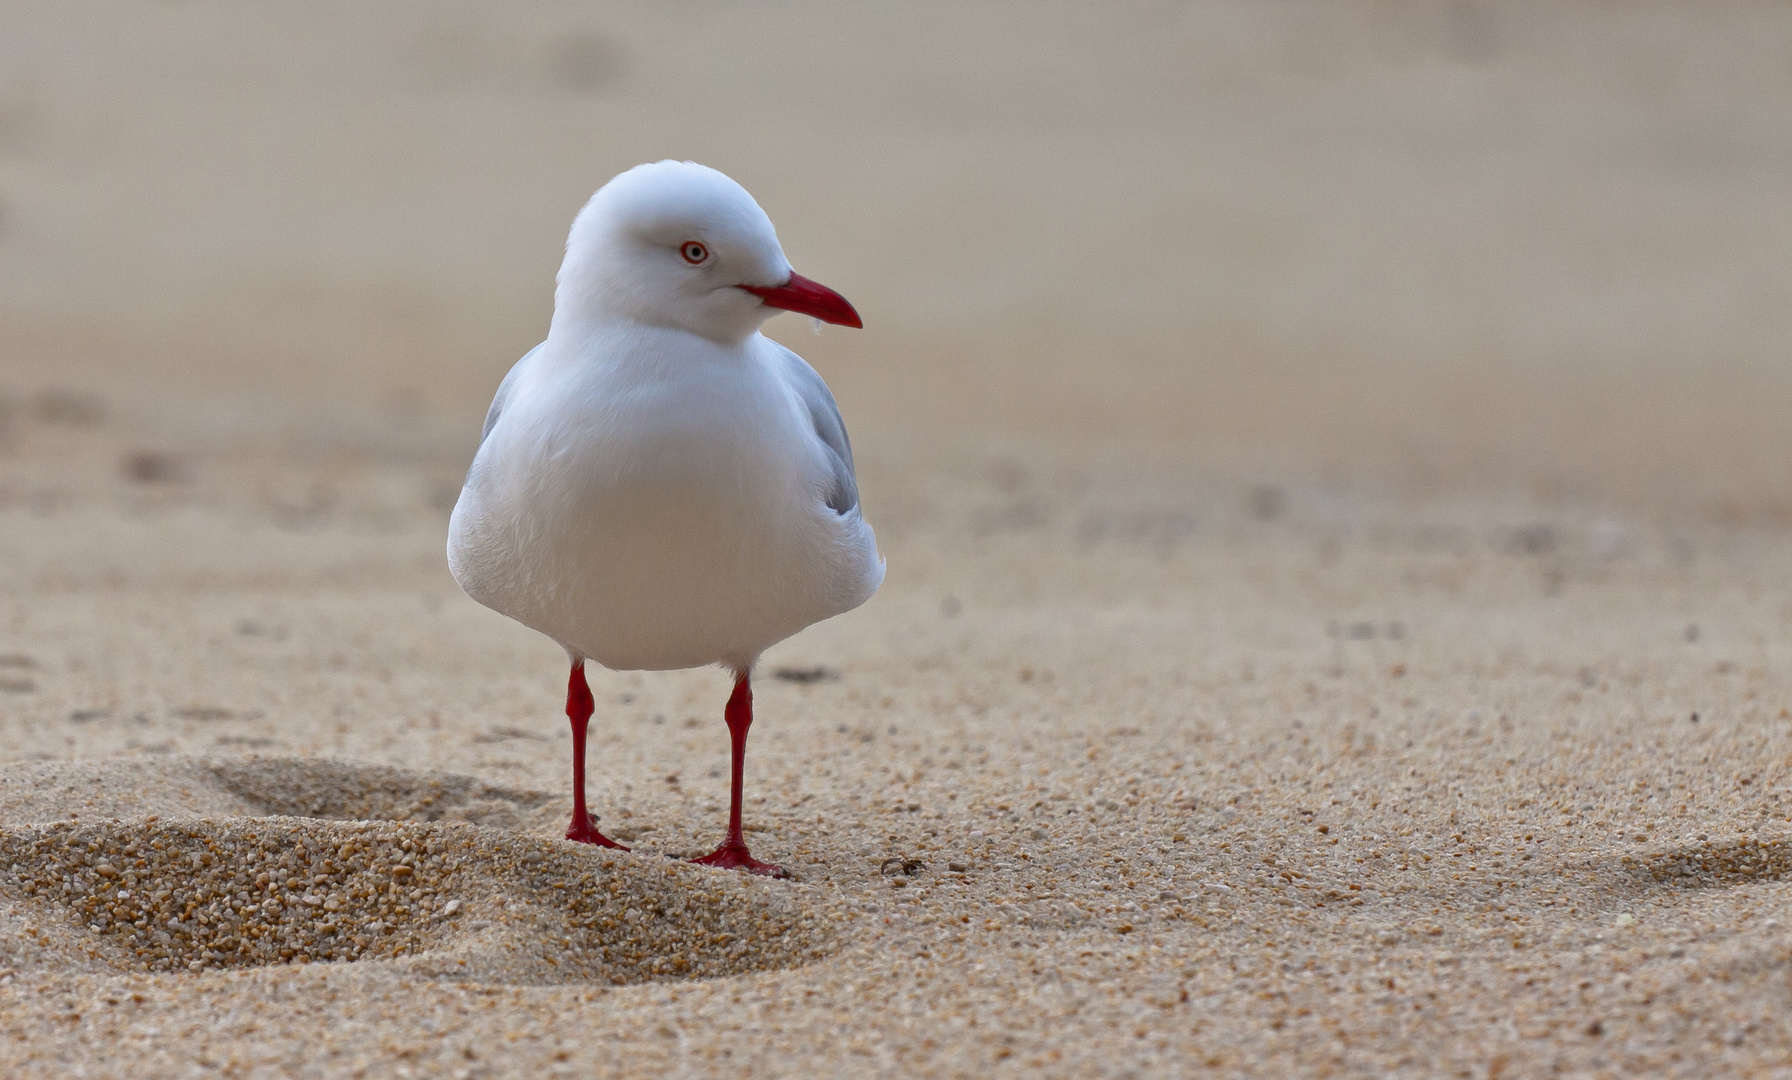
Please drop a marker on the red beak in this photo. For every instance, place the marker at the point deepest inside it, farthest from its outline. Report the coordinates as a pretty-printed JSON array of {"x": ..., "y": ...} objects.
[{"x": 811, "y": 298}]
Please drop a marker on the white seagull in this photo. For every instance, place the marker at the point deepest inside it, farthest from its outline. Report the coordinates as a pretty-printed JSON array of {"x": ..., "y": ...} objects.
[{"x": 659, "y": 485}]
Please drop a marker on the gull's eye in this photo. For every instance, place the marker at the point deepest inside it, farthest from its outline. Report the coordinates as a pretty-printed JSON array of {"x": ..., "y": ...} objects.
[{"x": 693, "y": 252}]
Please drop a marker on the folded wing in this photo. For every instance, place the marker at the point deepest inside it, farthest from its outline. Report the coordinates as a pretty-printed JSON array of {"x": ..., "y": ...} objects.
[
  {"x": 503, "y": 394},
  {"x": 842, "y": 493}
]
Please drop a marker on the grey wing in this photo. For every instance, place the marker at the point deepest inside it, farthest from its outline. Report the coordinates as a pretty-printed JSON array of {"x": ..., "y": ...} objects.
[
  {"x": 498, "y": 399},
  {"x": 843, "y": 486}
]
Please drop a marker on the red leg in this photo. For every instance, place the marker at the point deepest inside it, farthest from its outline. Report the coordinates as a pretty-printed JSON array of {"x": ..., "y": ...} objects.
[
  {"x": 733, "y": 853},
  {"x": 579, "y": 707}
]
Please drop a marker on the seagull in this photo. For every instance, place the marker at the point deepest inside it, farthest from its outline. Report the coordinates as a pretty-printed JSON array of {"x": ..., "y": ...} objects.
[{"x": 659, "y": 485}]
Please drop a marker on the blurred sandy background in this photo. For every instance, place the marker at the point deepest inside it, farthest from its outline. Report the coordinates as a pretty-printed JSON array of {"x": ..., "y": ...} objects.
[
  {"x": 1508, "y": 245},
  {"x": 1402, "y": 381}
]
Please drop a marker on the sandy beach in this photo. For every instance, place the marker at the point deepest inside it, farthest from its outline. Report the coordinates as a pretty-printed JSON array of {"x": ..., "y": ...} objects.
[{"x": 1332, "y": 463}]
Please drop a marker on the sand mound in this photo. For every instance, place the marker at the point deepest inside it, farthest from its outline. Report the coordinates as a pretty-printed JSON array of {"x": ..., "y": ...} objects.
[
  {"x": 259, "y": 787},
  {"x": 438, "y": 896},
  {"x": 310, "y": 787}
]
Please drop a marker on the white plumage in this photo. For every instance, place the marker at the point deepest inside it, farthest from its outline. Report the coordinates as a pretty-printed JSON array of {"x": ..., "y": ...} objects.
[
  {"x": 659, "y": 485},
  {"x": 654, "y": 485}
]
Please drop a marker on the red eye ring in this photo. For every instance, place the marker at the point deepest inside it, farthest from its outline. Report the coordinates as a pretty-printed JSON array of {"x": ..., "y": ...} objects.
[{"x": 693, "y": 252}]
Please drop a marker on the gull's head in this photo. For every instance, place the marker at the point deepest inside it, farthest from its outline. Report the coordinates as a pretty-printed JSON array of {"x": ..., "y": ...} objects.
[{"x": 681, "y": 245}]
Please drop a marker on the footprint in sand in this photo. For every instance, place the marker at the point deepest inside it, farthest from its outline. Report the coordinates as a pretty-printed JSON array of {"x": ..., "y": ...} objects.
[{"x": 245, "y": 863}]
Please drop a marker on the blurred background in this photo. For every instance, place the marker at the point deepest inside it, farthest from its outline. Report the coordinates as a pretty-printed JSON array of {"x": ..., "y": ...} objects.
[{"x": 1423, "y": 247}]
